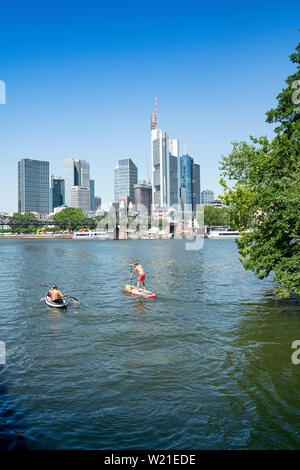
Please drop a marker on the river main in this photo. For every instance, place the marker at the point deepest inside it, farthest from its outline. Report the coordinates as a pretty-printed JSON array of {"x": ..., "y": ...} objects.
[{"x": 205, "y": 365}]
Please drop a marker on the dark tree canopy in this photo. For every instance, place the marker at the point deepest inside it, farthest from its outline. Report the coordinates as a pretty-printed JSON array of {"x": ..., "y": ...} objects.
[{"x": 264, "y": 193}]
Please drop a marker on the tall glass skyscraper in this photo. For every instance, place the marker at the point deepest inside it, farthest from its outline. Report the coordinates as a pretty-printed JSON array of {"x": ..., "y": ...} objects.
[
  {"x": 186, "y": 171},
  {"x": 77, "y": 173},
  {"x": 196, "y": 186},
  {"x": 57, "y": 192},
  {"x": 92, "y": 195},
  {"x": 164, "y": 169},
  {"x": 189, "y": 182},
  {"x": 125, "y": 177},
  {"x": 33, "y": 186},
  {"x": 164, "y": 153}
]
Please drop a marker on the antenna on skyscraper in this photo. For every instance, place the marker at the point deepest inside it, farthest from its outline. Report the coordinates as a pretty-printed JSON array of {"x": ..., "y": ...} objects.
[
  {"x": 154, "y": 117},
  {"x": 185, "y": 148}
]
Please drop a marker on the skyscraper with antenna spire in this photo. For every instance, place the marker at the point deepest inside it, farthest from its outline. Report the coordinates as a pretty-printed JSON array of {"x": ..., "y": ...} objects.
[
  {"x": 154, "y": 117},
  {"x": 165, "y": 153}
]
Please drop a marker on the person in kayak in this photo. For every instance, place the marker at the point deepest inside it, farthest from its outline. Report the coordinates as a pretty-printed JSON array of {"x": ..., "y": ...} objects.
[
  {"x": 141, "y": 278},
  {"x": 55, "y": 294}
]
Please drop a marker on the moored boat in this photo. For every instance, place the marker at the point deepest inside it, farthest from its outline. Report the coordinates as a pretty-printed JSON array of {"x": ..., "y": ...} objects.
[
  {"x": 91, "y": 234},
  {"x": 223, "y": 234}
]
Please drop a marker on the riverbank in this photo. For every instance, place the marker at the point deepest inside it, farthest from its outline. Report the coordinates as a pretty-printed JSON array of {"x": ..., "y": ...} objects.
[{"x": 37, "y": 237}]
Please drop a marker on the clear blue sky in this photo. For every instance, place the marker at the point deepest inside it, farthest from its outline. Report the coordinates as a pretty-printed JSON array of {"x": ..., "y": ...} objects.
[{"x": 82, "y": 76}]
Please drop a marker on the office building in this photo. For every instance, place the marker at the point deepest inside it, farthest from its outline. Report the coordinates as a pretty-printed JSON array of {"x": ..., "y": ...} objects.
[
  {"x": 207, "y": 197},
  {"x": 92, "y": 195},
  {"x": 77, "y": 173},
  {"x": 164, "y": 154},
  {"x": 196, "y": 186},
  {"x": 57, "y": 192},
  {"x": 189, "y": 183},
  {"x": 125, "y": 177},
  {"x": 97, "y": 202},
  {"x": 143, "y": 197},
  {"x": 33, "y": 186},
  {"x": 80, "y": 198}
]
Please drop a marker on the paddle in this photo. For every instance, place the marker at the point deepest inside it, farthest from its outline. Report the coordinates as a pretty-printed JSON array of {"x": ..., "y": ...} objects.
[{"x": 70, "y": 297}]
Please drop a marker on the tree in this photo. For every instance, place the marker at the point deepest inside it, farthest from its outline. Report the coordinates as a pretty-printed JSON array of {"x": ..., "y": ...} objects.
[
  {"x": 24, "y": 223},
  {"x": 71, "y": 219},
  {"x": 216, "y": 216},
  {"x": 265, "y": 193}
]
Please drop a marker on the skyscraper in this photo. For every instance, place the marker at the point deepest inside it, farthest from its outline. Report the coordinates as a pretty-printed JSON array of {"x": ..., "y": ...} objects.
[
  {"x": 186, "y": 170},
  {"x": 92, "y": 195},
  {"x": 77, "y": 173},
  {"x": 207, "y": 196},
  {"x": 80, "y": 198},
  {"x": 173, "y": 156},
  {"x": 97, "y": 202},
  {"x": 125, "y": 177},
  {"x": 189, "y": 182},
  {"x": 33, "y": 186},
  {"x": 57, "y": 192},
  {"x": 164, "y": 153},
  {"x": 143, "y": 197},
  {"x": 196, "y": 186}
]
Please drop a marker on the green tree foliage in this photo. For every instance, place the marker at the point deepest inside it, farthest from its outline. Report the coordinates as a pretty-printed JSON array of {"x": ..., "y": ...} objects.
[
  {"x": 265, "y": 193},
  {"x": 72, "y": 219},
  {"x": 217, "y": 216},
  {"x": 24, "y": 223}
]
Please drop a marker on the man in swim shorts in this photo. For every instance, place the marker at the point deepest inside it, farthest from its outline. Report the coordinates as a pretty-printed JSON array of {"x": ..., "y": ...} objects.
[
  {"x": 56, "y": 295},
  {"x": 141, "y": 278}
]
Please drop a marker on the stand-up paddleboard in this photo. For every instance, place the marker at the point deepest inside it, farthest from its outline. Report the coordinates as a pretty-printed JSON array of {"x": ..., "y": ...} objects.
[{"x": 140, "y": 292}]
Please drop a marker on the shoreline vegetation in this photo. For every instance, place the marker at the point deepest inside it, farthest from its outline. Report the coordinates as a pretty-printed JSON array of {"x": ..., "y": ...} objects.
[{"x": 264, "y": 192}]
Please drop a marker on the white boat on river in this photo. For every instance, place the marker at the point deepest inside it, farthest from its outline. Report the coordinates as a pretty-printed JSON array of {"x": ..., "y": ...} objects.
[
  {"x": 223, "y": 234},
  {"x": 91, "y": 234}
]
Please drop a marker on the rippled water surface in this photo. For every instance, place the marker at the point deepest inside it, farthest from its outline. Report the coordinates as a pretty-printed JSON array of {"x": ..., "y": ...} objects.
[{"x": 207, "y": 364}]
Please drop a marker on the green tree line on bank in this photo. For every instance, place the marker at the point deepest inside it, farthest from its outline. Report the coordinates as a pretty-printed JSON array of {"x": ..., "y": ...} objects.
[
  {"x": 261, "y": 180},
  {"x": 68, "y": 219}
]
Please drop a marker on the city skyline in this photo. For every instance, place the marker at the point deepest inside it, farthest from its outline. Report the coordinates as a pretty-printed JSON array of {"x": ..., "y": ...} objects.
[
  {"x": 70, "y": 101},
  {"x": 71, "y": 191}
]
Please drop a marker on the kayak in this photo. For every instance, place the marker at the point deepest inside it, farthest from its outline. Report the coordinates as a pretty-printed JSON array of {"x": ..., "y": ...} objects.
[
  {"x": 139, "y": 292},
  {"x": 62, "y": 304}
]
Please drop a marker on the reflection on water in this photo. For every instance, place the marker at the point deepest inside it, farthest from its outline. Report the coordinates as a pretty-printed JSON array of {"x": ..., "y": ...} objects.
[{"x": 207, "y": 364}]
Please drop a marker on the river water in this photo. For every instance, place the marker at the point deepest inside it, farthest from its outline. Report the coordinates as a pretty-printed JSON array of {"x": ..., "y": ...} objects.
[{"x": 205, "y": 365}]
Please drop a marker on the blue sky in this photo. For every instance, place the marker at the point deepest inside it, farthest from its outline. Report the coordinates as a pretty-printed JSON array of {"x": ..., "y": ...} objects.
[{"x": 82, "y": 77}]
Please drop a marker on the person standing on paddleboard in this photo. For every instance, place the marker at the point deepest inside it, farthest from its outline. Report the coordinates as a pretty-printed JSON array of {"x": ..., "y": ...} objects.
[{"x": 141, "y": 278}]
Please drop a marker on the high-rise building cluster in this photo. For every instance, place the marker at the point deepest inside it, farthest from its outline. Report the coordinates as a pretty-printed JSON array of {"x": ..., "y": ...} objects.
[
  {"x": 175, "y": 182},
  {"x": 36, "y": 193},
  {"x": 175, "y": 178}
]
